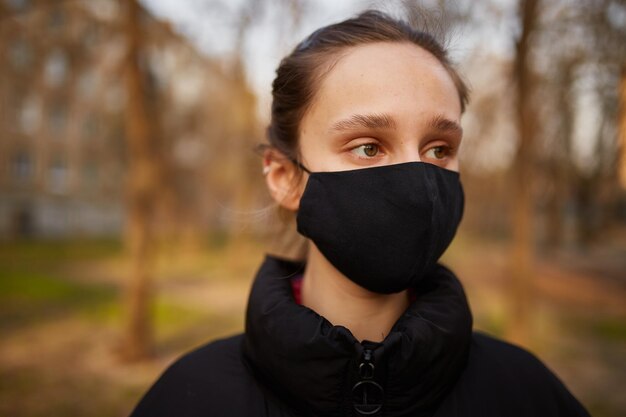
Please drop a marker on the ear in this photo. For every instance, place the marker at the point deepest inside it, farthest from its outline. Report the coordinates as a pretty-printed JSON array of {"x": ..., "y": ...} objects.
[{"x": 284, "y": 180}]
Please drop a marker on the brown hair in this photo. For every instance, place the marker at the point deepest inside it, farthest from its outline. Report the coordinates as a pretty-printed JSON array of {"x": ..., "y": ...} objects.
[{"x": 300, "y": 73}]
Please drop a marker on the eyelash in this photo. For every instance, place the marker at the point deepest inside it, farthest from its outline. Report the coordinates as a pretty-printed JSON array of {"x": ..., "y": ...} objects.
[
  {"x": 449, "y": 151},
  {"x": 362, "y": 146}
]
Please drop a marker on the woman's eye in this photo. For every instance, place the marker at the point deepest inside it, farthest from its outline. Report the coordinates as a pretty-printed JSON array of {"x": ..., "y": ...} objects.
[
  {"x": 368, "y": 150},
  {"x": 438, "y": 152}
]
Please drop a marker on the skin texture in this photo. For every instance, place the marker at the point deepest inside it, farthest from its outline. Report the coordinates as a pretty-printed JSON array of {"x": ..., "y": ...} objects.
[{"x": 379, "y": 104}]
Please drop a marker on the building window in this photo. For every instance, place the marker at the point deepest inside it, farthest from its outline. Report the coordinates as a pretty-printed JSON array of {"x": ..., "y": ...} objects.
[
  {"x": 57, "y": 119},
  {"x": 91, "y": 36},
  {"x": 90, "y": 177},
  {"x": 30, "y": 115},
  {"x": 57, "y": 176},
  {"x": 56, "y": 66},
  {"x": 87, "y": 83},
  {"x": 21, "y": 167},
  {"x": 18, "y": 4},
  {"x": 56, "y": 19},
  {"x": 21, "y": 54},
  {"x": 91, "y": 128}
]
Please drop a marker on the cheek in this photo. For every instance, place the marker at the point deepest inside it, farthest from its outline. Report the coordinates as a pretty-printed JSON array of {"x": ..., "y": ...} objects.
[
  {"x": 298, "y": 184},
  {"x": 311, "y": 150},
  {"x": 453, "y": 165},
  {"x": 317, "y": 153},
  {"x": 317, "y": 148}
]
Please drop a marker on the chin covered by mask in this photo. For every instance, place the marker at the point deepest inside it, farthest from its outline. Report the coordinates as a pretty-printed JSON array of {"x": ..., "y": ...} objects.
[{"x": 383, "y": 227}]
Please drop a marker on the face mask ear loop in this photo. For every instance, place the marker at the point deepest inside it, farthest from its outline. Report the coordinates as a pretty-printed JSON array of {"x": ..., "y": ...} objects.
[{"x": 299, "y": 165}]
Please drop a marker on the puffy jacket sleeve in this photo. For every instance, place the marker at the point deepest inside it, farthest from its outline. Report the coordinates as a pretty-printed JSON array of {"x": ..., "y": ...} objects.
[
  {"x": 518, "y": 382},
  {"x": 209, "y": 381}
]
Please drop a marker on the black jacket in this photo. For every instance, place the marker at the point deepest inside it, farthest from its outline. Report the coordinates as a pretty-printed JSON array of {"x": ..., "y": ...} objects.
[{"x": 293, "y": 362}]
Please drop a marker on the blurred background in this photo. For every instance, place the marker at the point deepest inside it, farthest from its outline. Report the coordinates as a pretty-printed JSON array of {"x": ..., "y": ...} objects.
[{"x": 133, "y": 212}]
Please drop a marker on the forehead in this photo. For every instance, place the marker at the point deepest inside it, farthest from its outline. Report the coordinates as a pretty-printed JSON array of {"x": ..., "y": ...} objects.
[{"x": 395, "y": 78}]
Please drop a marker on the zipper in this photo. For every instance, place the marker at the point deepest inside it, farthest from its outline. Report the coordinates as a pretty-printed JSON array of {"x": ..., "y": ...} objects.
[{"x": 367, "y": 394}]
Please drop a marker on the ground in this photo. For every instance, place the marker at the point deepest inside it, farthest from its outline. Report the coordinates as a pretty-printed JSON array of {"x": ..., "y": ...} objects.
[{"x": 60, "y": 318}]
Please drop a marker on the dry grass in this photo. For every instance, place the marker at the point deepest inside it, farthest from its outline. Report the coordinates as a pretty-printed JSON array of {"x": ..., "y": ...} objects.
[{"x": 61, "y": 318}]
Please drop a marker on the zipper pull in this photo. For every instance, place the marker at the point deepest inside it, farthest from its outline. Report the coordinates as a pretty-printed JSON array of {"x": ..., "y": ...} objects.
[
  {"x": 366, "y": 368},
  {"x": 367, "y": 394}
]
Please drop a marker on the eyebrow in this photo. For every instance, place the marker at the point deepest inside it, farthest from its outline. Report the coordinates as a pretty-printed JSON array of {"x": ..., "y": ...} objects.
[
  {"x": 385, "y": 121},
  {"x": 371, "y": 121},
  {"x": 445, "y": 125}
]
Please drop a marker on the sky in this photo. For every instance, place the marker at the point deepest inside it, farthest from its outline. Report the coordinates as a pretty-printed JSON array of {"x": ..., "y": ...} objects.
[
  {"x": 209, "y": 28},
  {"x": 209, "y": 24}
]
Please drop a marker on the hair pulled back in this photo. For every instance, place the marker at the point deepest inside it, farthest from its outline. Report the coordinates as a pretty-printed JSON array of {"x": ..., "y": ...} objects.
[{"x": 299, "y": 74}]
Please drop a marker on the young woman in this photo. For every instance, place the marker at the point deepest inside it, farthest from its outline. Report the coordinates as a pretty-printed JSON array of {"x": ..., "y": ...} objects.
[{"x": 363, "y": 147}]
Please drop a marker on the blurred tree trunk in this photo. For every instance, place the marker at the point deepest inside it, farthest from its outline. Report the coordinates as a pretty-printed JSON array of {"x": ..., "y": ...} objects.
[
  {"x": 243, "y": 144},
  {"x": 142, "y": 177},
  {"x": 249, "y": 164},
  {"x": 622, "y": 128},
  {"x": 523, "y": 236},
  {"x": 561, "y": 163}
]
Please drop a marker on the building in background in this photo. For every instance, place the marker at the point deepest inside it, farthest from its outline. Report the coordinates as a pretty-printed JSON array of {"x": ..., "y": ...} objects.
[{"x": 62, "y": 99}]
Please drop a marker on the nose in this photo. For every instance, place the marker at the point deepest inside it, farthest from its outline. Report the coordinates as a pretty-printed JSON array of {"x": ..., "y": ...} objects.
[{"x": 408, "y": 152}]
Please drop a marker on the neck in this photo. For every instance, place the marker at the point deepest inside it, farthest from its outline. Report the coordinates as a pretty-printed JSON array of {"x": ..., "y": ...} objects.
[{"x": 368, "y": 315}]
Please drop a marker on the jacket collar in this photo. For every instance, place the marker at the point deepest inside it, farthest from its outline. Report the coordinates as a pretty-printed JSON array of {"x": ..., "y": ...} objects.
[{"x": 320, "y": 369}]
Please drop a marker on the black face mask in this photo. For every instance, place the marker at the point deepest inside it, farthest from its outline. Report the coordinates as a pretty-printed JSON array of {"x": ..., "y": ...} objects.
[{"x": 382, "y": 227}]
